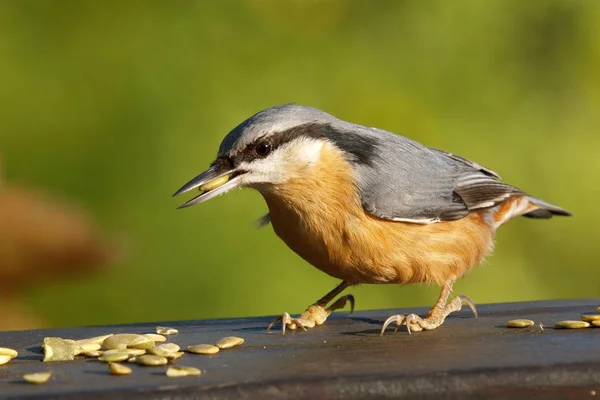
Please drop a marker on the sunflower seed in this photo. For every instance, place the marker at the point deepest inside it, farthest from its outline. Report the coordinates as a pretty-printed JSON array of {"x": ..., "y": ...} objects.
[
  {"x": 155, "y": 337},
  {"x": 203, "y": 349},
  {"x": 151, "y": 360},
  {"x": 590, "y": 317},
  {"x": 175, "y": 372},
  {"x": 165, "y": 330},
  {"x": 519, "y": 323},
  {"x": 4, "y": 359},
  {"x": 124, "y": 340},
  {"x": 572, "y": 324},
  {"x": 118, "y": 369},
  {"x": 5, "y": 351},
  {"x": 229, "y": 341},
  {"x": 37, "y": 377}
]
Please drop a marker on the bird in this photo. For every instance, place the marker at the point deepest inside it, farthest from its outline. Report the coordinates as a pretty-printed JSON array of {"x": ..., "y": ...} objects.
[{"x": 366, "y": 206}]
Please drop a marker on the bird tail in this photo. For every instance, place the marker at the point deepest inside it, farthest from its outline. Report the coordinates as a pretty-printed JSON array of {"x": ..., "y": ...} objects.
[{"x": 541, "y": 209}]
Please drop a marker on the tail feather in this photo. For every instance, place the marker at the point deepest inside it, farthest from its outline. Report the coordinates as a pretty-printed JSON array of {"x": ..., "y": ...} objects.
[{"x": 545, "y": 210}]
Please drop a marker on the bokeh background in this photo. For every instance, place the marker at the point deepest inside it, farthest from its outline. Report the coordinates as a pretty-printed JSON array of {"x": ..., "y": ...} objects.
[{"x": 109, "y": 107}]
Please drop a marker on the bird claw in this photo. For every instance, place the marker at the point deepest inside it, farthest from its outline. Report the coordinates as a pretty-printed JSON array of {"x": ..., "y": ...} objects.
[
  {"x": 399, "y": 319},
  {"x": 287, "y": 321}
]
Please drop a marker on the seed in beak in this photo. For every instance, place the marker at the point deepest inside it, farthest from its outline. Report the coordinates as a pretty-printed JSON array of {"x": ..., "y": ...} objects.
[{"x": 215, "y": 183}]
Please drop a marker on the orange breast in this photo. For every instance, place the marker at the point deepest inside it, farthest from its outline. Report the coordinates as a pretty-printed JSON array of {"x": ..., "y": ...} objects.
[{"x": 321, "y": 219}]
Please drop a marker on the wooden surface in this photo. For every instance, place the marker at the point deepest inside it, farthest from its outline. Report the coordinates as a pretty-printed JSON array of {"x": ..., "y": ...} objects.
[{"x": 343, "y": 359}]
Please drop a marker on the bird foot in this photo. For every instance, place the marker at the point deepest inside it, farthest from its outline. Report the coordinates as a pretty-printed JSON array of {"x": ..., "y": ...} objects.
[
  {"x": 316, "y": 314},
  {"x": 434, "y": 318}
]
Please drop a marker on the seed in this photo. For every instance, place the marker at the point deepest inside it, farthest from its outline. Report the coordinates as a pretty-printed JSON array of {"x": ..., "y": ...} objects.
[
  {"x": 118, "y": 369},
  {"x": 171, "y": 347},
  {"x": 37, "y": 377},
  {"x": 596, "y": 322},
  {"x": 572, "y": 324},
  {"x": 4, "y": 359},
  {"x": 158, "y": 351},
  {"x": 132, "y": 360},
  {"x": 151, "y": 360},
  {"x": 124, "y": 340},
  {"x": 590, "y": 317},
  {"x": 519, "y": 323},
  {"x": 5, "y": 351},
  {"x": 215, "y": 183},
  {"x": 129, "y": 352},
  {"x": 229, "y": 341},
  {"x": 93, "y": 354},
  {"x": 58, "y": 349},
  {"x": 165, "y": 330},
  {"x": 203, "y": 349},
  {"x": 113, "y": 357},
  {"x": 96, "y": 340},
  {"x": 175, "y": 372},
  {"x": 155, "y": 337},
  {"x": 87, "y": 347}
]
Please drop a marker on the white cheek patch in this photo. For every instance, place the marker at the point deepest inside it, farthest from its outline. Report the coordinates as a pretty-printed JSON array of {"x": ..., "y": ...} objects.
[{"x": 287, "y": 162}]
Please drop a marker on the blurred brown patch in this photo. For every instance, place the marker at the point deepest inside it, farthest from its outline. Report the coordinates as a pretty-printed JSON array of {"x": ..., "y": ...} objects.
[{"x": 43, "y": 239}]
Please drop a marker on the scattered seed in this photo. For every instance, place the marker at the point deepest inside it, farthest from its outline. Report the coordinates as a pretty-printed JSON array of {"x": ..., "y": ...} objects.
[
  {"x": 155, "y": 337},
  {"x": 87, "y": 347},
  {"x": 4, "y": 359},
  {"x": 590, "y": 317},
  {"x": 171, "y": 355},
  {"x": 58, "y": 349},
  {"x": 124, "y": 340},
  {"x": 132, "y": 360},
  {"x": 114, "y": 357},
  {"x": 151, "y": 360},
  {"x": 229, "y": 341},
  {"x": 118, "y": 369},
  {"x": 203, "y": 349},
  {"x": 572, "y": 324},
  {"x": 93, "y": 354},
  {"x": 215, "y": 183},
  {"x": 37, "y": 377},
  {"x": 129, "y": 352},
  {"x": 519, "y": 323},
  {"x": 5, "y": 351},
  {"x": 95, "y": 340},
  {"x": 596, "y": 322},
  {"x": 165, "y": 330},
  {"x": 175, "y": 372},
  {"x": 172, "y": 347}
]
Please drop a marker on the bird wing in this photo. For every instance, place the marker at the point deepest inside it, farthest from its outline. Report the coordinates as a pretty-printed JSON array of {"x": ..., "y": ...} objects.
[{"x": 414, "y": 183}]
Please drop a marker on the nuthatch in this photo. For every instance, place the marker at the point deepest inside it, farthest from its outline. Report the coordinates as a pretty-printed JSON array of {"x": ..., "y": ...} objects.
[{"x": 365, "y": 205}]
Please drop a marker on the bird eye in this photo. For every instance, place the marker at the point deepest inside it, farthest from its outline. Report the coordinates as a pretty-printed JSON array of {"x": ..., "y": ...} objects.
[{"x": 263, "y": 149}]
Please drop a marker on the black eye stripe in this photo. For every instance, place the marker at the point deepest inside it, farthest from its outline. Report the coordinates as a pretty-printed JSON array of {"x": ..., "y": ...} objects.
[{"x": 361, "y": 149}]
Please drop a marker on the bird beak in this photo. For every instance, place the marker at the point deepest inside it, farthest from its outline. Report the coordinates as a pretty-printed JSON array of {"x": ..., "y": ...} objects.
[{"x": 212, "y": 182}]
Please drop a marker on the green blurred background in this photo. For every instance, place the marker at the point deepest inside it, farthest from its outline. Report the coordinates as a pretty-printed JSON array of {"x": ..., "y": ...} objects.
[{"x": 116, "y": 104}]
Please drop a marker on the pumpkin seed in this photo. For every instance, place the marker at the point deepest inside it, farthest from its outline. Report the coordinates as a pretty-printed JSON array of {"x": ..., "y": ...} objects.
[
  {"x": 119, "y": 369},
  {"x": 165, "y": 330},
  {"x": 519, "y": 323},
  {"x": 125, "y": 340},
  {"x": 175, "y": 372},
  {"x": 229, "y": 341},
  {"x": 129, "y": 352},
  {"x": 215, "y": 183},
  {"x": 58, "y": 349},
  {"x": 4, "y": 359},
  {"x": 572, "y": 324},
  {"x": 155, "y": 337},
  {"x": 114, "y": 357},
  {"x": 171, "y": 355},
  {"x": 151, "y": 360},
  {"x": 5, "y": 351},
  {"x": 87, "y": 347},
  {"x": 590, "y": 317},
  {"x": 95, "y": 340},
  {"x": 172, "y": 347},
  {"x": 93, "y": 354},
  {"x": 596, "y": 322},
  {"x": 203, "y": 349},
  {"x": 37, "y": 377}
]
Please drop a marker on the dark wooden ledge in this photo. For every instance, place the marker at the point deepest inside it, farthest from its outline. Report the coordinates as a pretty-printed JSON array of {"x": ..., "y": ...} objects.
[{"x": 343, "y": 359}]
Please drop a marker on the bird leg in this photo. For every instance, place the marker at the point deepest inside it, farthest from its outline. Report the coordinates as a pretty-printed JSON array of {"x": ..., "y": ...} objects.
[
  {"x": 436, "y": 316},
  {"x": 317, "y": 313}
]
